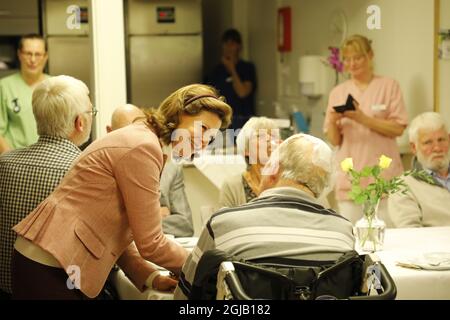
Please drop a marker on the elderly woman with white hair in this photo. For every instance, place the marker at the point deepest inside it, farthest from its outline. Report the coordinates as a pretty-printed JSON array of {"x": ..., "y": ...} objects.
[{"x": 255, "y": 141}]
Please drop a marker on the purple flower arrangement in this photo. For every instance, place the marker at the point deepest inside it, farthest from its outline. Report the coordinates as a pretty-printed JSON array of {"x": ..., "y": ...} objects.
[{"x": 334, "y": 60}]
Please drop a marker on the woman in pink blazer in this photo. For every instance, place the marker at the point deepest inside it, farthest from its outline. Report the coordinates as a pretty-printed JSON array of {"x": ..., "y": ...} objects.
[{"x": 106, "y": 209}]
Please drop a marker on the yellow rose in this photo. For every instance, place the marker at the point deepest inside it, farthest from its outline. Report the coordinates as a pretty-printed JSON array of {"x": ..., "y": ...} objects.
[
  {"x": 385, "y": 162},
  {"x": 347, "y": 164}
]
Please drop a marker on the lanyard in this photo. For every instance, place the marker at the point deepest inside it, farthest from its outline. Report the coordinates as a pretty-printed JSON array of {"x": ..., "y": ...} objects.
[{"x": 16, "y": 107}]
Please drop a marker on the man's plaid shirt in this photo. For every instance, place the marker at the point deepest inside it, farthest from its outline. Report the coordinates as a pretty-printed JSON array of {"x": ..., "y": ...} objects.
[{"x": 27, "y": 177}]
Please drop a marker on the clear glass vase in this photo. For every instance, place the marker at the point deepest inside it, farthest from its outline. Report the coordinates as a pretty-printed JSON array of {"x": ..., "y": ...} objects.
[{"x": 369, "y": 230}]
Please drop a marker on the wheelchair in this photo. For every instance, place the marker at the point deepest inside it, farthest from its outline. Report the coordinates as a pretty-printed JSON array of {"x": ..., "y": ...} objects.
[{"x": 351, "y": 277}]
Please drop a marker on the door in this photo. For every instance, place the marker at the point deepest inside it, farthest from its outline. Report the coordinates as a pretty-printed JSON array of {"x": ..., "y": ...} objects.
[
  {"x": 162, "y": 64},
  {"x": 77, "y": 65}
]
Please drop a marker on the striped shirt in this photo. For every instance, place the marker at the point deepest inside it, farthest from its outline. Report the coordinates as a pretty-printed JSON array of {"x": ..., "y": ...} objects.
[
  {"x": 282, "y": 222},
  {"x": 27, "y": 177}
]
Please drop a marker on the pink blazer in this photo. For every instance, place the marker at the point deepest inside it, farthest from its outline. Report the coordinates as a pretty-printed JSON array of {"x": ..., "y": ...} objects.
[{"x": 109, "y": 198}]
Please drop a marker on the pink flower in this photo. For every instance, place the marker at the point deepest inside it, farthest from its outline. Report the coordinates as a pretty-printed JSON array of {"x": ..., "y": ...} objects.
[{"x": 334, "y": 60}]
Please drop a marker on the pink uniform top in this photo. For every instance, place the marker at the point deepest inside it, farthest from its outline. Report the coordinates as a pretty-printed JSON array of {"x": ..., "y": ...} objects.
[{"x": 381, "y": 99}]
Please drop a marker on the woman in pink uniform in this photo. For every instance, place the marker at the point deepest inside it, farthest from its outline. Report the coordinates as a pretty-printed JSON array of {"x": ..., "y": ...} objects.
[{"x": 370, "y": 130}]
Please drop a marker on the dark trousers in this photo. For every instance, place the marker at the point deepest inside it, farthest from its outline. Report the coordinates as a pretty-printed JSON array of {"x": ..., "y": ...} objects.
[
  {"x": 34, "y": 281},
  {"x": 4, "y": 295}
]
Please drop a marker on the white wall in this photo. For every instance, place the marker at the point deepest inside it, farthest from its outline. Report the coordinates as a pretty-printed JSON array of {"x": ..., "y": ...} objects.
[
  {"x": 403, "y": 49},
  {"x": 261, "y": 40},
  {"x": 444, "y": 67}
]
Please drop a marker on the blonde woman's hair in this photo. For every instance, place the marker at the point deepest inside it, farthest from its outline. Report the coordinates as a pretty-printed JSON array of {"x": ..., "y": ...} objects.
[
  {"x": 358, "y": 43},
  {"x": 190, "y": 100},
  {"x": 56, "y": 102}
]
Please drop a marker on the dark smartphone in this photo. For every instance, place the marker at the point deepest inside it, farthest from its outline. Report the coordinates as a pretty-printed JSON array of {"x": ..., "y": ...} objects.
[{"x": 348, "y": 106}]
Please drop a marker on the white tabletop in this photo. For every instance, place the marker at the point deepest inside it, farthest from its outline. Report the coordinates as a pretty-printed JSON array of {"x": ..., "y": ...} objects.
[{"x": 403, "y": 244}]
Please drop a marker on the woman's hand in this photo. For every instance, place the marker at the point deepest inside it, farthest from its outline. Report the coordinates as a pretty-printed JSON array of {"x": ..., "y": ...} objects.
[
  {"x": 165, "y": 283},
  {"x": 335, "y": 117},
  {"x": 334, "y": 128},
  {"x": 164, "y": 211},
  {"x": 356, "y": 115}
]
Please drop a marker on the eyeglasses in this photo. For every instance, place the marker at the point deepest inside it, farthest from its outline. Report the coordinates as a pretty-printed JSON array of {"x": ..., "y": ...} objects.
[
  {"x": 29, "y": 55},
  {"x": 356, "y": 59},
  {"x": 94, "y": 111}
]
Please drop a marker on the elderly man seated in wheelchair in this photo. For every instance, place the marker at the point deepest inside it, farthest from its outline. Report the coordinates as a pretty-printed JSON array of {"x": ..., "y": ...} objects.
[{"x": 285, "y": 221}]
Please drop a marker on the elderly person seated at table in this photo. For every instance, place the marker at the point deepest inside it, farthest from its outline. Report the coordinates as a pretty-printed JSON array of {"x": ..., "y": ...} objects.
[
  {"x": 286, "y": 220},
  {"x": 426, "y": 204},
  {"x": 175, "y": 209},
  {"x": 255, "y": 141}
]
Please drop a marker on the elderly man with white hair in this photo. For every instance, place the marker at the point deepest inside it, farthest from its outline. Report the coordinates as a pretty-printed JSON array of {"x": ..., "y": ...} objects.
[
  {"x": 63, "y": 113},
  {"x": 286, "y": 220},
  {"x": 426, "y": 204}
]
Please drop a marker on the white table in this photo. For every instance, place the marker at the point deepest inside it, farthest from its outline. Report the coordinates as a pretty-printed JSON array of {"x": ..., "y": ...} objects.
[{"x": 412, "y": 283}]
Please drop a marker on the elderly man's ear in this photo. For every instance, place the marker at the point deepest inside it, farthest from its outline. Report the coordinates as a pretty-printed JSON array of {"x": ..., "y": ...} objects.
[
  {"x": 412, "y": 145},
  {"x": 80, "y": 125},
  {"x": 269, "y": 181}
]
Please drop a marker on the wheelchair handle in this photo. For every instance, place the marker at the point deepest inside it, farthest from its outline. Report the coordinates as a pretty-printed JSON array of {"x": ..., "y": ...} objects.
[{"x": 390, "y": 290}]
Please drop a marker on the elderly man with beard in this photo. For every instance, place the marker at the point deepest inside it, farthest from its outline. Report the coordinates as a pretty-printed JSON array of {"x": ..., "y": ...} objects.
[{"x": 426, "y": 204}]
